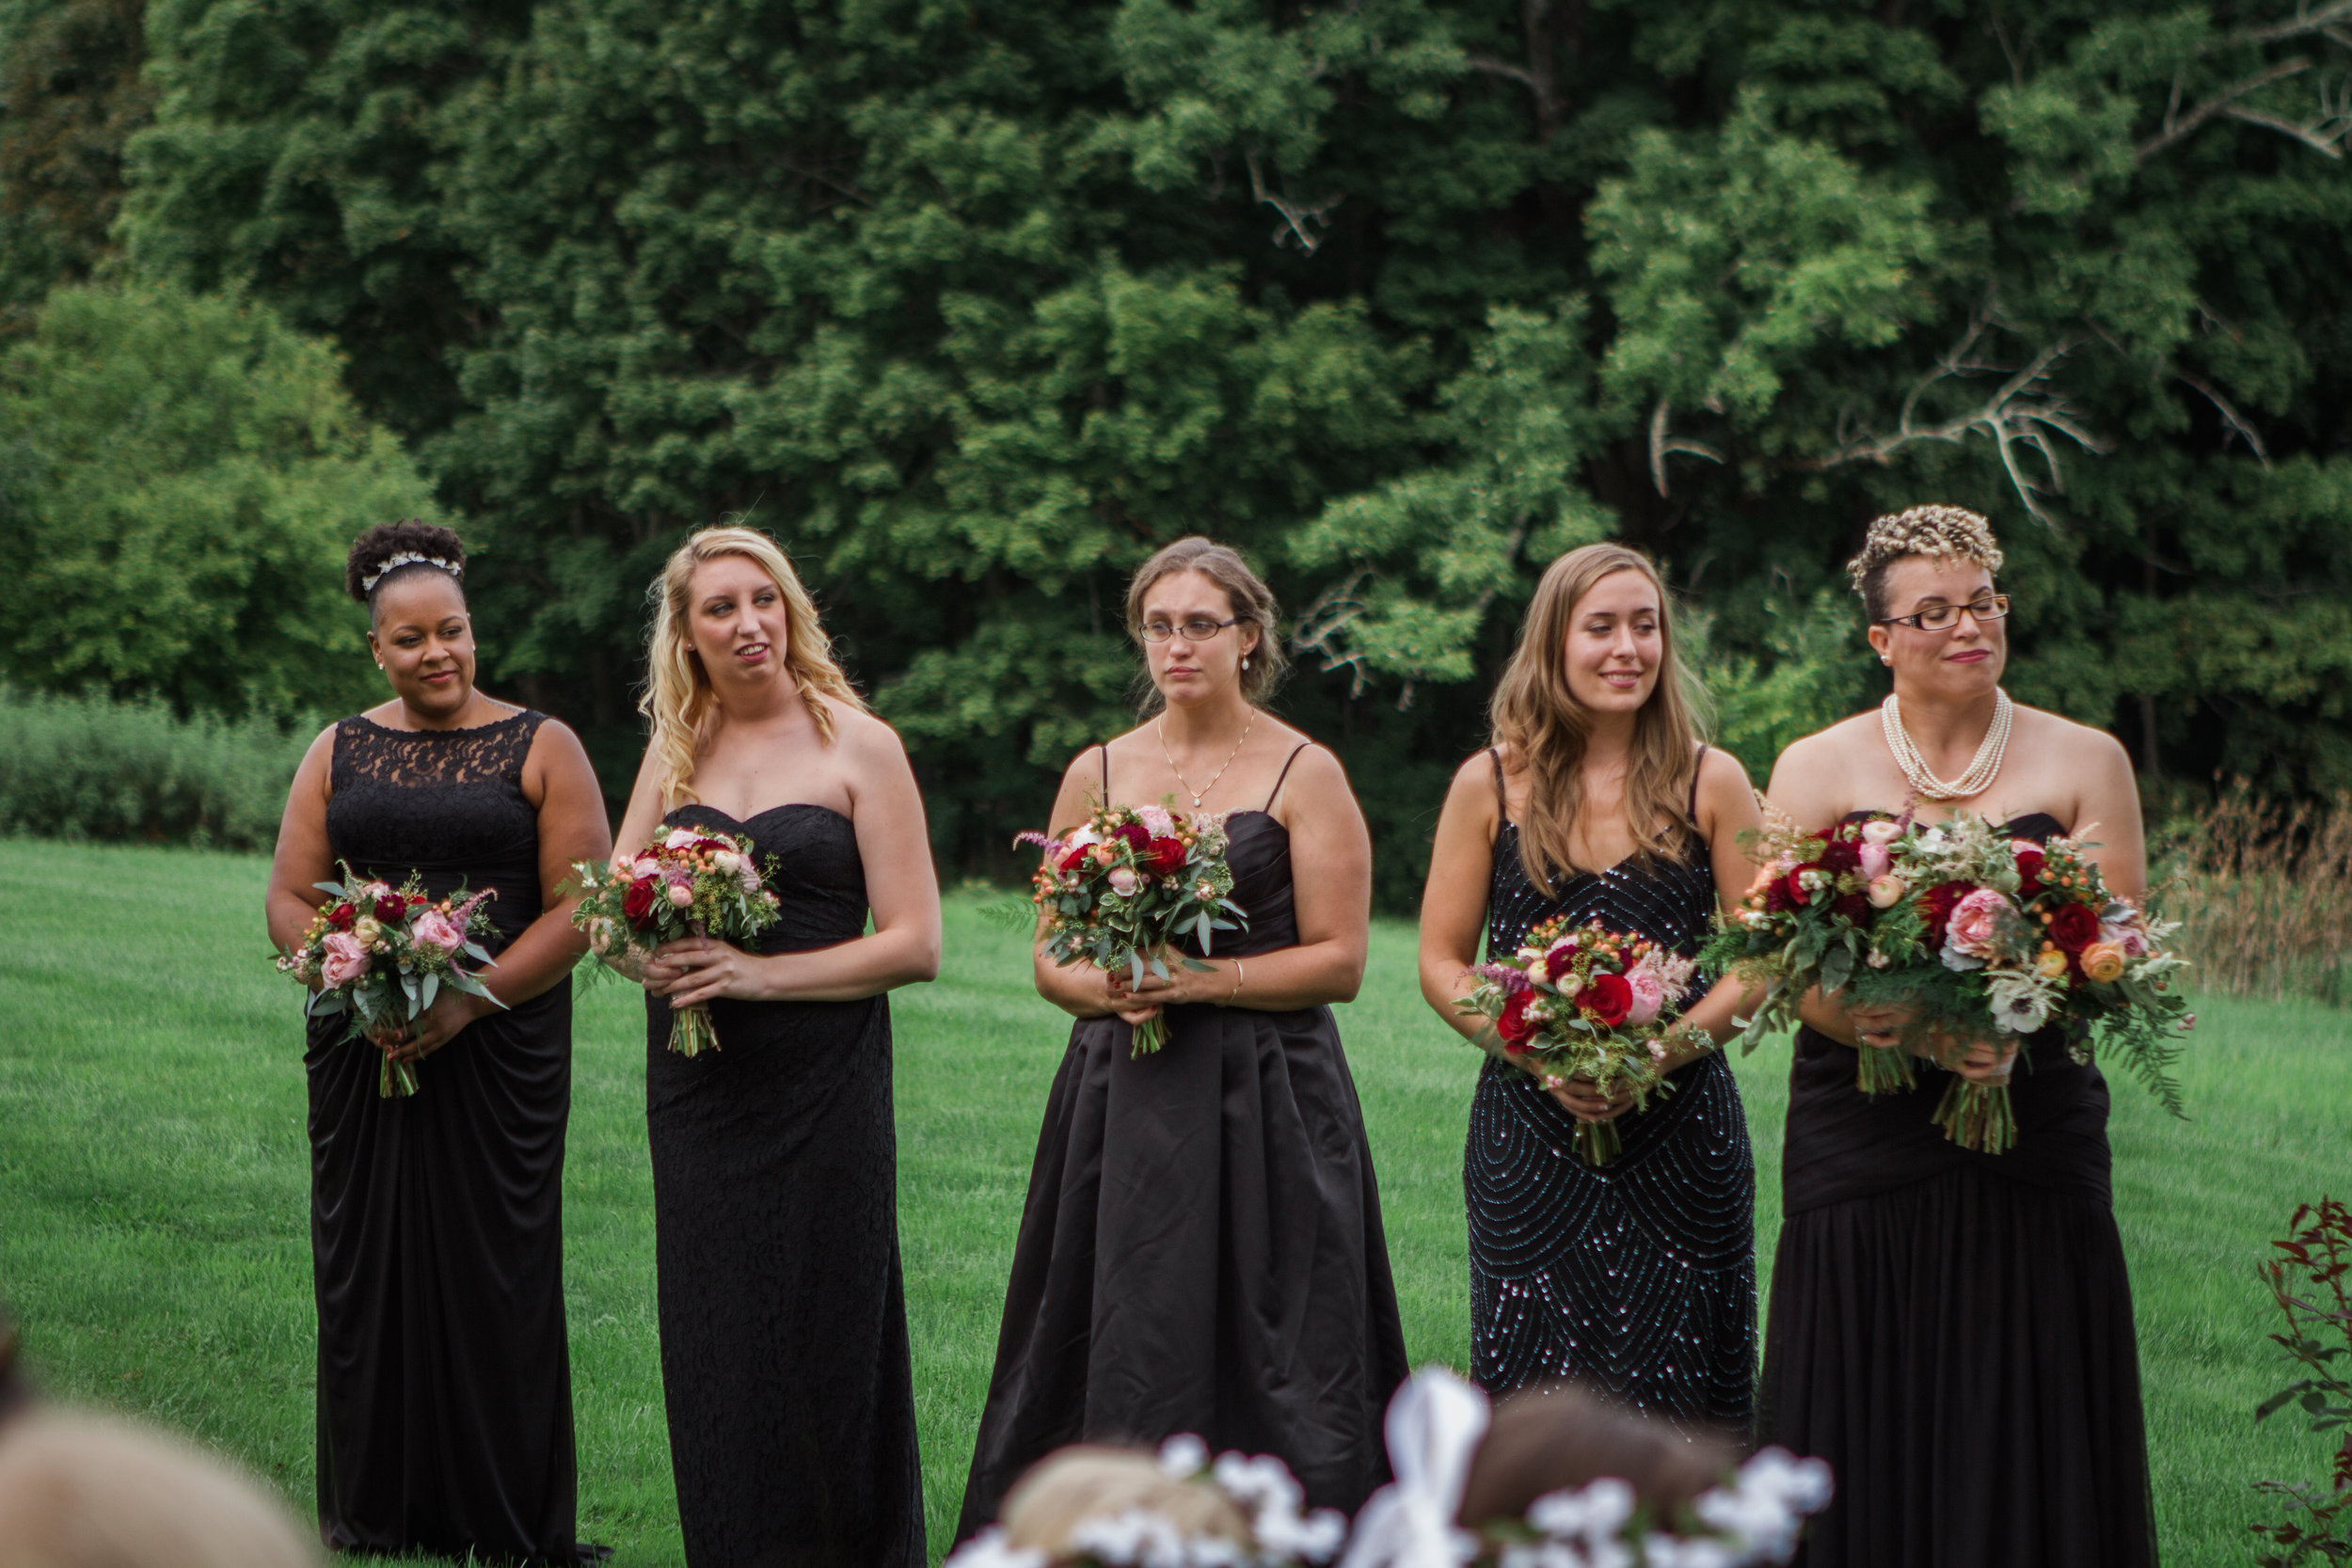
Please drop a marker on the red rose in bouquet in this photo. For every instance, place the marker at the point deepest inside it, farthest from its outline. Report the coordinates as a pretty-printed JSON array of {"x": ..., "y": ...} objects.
[
  {"x": 637, "y": 904},
  {"x": 2029, "y": 863},
  {"x": 1606, "y": 999},
  {"x": 343, "y": 917},
  {"x": 1163, "y": 857},
  {"x": 2073, "y": 927},
  {"x": 1510, "y": 1023},
  {"x": 1936, "y": 906}
]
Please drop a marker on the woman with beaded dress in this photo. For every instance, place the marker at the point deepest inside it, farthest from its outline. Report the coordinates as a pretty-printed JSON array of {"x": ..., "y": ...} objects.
[
  {"x": 784, "y": 1360},
  {"x": 1636, "y": 1278},
  {"x": 1201, "y": 1251},
  {"x": 436, "y": 1220},
  {"x": 1952, "y": 1330}
]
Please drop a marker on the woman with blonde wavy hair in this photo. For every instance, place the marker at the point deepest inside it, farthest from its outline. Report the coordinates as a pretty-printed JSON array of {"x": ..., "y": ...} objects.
[
  {"x": 1601, "y": 800},
  {"x": 783, "y": 1339}
]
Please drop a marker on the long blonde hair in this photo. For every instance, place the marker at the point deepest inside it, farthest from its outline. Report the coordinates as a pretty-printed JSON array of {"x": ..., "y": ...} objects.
[
  {"x": 1538, "y": 718},
  {"x": 678, "y": 697}
]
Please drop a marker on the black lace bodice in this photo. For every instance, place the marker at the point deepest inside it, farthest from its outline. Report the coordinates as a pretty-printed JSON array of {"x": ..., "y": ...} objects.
[{"x": 448, "y": 804}]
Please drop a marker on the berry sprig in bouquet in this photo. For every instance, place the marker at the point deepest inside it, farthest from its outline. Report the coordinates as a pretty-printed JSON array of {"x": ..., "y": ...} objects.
[
  {"x": 1118, "y": 892},
  {"x": 1824, "y": 908},
  {"x": 381, "y": 954},
  {"x": 689, "y": 883},
  {"x": 1586, "y": 1002},
  {"x": 2024, "y": 936}
]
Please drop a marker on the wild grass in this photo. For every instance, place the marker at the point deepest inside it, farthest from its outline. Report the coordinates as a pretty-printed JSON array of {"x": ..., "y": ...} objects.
[
  {"x": 2263, "y": 892},
  {"x": 85, "y": 768},
  {"x": 153, "y": 1209}
]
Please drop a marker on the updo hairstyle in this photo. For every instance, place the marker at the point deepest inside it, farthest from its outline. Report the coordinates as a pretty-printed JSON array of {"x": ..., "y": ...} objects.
[
  {"x": 1252, "y": 600},
  {"x": 1556, "y": 1436},
  {"x": 410, "y": 536},
  {"x": 1086, "y": 1482},
  {"x": 1946, "y": 533}
]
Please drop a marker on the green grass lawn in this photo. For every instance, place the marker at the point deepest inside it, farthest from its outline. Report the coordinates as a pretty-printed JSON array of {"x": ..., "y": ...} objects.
[{"x": 153, "y": 1241}]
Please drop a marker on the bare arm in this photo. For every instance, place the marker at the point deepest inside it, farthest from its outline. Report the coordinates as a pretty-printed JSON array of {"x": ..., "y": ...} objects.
[
  {"x": 903, "y": 890},
  {"x": 2109, "y": 813},
  {"x": 1728, "y": 809},
  {"x": 1453, "y": 900},
  {"x": 302, "y": 856},
  {"x": 1079, "y": 990}
]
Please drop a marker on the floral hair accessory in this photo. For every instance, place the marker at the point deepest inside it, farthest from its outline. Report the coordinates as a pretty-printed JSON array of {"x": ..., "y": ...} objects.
[
  {"x": 1261, "y": 1489},
  {"x": 1435, "y": 1425},
  {"x": 408, "y": 558}
]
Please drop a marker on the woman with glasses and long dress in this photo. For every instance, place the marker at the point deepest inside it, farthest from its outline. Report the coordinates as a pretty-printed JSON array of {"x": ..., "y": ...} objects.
[
  {"x": 784, "y": 1361},
  {"x": 1952, "y": 1330},
  {"x": 1598, "y": 801},
  {"x": 1201, "y": 1250}
]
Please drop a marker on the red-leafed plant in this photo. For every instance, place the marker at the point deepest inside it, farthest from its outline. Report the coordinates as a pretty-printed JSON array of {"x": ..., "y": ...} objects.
[{"x": 2313, "y": 1284}]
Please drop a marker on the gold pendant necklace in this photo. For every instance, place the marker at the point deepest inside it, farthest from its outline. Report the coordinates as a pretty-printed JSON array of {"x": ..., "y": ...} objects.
[
  {"x": 1982, "y": 769},
  {"x": 1201, "y": 793}
]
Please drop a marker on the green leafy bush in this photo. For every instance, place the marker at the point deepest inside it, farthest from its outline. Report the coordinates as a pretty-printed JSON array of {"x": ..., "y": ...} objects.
[
  {"x": 2310, "y": 1283},
  {"x": 86, "y": 767}
]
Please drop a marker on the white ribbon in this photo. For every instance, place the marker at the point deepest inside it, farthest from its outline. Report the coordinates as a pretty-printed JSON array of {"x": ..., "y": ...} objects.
[{"x": 1434, "y": 1425}]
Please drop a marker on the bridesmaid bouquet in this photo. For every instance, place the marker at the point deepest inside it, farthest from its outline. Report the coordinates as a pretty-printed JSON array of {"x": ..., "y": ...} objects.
[
  {"x": 381, "y": 954},
  {"x": 689, "y": 884},
  {"x": 1587, "y": 1002},
  {"x": 1976, "y": 929},
  {"x": 1823, "y": 909},
  {"x": 1119, "y": 891}
]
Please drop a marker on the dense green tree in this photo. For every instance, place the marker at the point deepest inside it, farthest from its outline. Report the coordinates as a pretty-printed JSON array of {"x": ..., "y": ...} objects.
[
  {"x": 976, "y": 302},
  {"x": 180, "y": 479},
  {"x": 71, "y": 95}
]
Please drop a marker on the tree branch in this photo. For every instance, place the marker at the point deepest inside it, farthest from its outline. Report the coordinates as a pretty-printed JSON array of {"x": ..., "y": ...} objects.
[
  {"x": 1662, "y": 444},
  {"x": 1295, "y": 215},
  {"x": 2177, "y": 127},
  {"x": 2019, "y": 414},
  {"x": 1320, "y": 627}
]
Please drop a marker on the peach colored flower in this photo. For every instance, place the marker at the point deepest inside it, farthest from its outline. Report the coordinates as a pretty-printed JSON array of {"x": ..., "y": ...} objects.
[
  {"x": 1880, "y": 832},
  {"x": 681, "y": 896},
  {"x": 1123, "y": 881},
  {"x": 2103, "y": 961},
  {"x": 1887, "y": 891},
  {"x": 1649, "y": 995},
  {"x": 1975, "y": 924}
]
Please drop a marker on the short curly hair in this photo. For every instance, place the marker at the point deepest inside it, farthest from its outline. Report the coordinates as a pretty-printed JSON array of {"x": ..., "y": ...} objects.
[
  {"x": 410, "y": 536},
  {"x": 1953, "y": 532}
]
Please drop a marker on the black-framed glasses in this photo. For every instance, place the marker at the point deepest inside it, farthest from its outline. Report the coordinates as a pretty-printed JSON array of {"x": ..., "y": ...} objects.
[
  {"x": 1198, "y": 630},
  {"x": 1944, "y": 617}
]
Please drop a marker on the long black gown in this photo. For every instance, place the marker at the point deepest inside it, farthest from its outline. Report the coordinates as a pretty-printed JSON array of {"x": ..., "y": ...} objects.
[
  {"x": 436, "y": 1221},
  {"x": 1202, "y": 1249},
  {"x": 1637, "y": 1277},
  {"x": 1951, "y": 1330},
  {"x": 785, "y": 1364}
]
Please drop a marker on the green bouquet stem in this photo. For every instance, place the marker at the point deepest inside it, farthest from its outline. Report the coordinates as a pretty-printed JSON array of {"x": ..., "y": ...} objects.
[
  {"x": 1883, "y": 1070},
  {"x": 1598, "y": 1141},
  {"x": 397, "y": 1081},
  {"x": 690, "y": 1031},
  {"x": 1149, "y": 1035},
  {"x": 1977, "y": 1116}
]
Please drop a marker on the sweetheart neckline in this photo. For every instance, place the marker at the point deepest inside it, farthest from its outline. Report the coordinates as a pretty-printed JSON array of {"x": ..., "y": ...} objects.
[{"x": 765, "y": 811}]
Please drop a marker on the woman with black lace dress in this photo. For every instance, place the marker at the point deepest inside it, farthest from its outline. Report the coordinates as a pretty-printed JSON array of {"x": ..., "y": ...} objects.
[
  {"x": 1598, "y": 801},
  {"x": 784, "y": 1359},
  {"x": 1952, "y": 1330},
  {"x": 444, "y": 1381},
  {"x": 1201, "y": 1251}
]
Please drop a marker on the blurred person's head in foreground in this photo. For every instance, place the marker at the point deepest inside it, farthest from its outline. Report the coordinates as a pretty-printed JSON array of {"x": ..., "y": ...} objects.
[
  {"x": 81, "y": 1491},
  {"x": 15, "y": 1393},
  {"x": 1090, "y": 1506},
  {"x": 1557, "y": 1476}
]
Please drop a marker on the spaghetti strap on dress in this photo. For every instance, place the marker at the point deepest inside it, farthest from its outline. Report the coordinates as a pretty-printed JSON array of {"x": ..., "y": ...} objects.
[
  {"x": 1201, "y": 1247},
  {"x": 1637, "y": 1277}
]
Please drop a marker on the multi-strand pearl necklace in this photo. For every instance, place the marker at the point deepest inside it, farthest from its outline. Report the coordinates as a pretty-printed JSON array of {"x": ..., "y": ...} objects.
[{"x": 1982, "y": 771}]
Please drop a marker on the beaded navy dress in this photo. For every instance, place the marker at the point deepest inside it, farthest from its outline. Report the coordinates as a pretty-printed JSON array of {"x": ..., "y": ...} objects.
[
  {"x": 436, "y": 1221},
  {"x": 785, "y": 1368},
  {"x": 1201, "y": 1248},
  {"x": 1952, "y": 1330},
  {"x": 1637, "y": 1277}
]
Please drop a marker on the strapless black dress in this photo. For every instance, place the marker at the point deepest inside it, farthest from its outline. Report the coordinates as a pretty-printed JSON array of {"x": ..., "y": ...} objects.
[
  {"x": 1952, "y": 1330},
  {"x": 436, "y": 1222},
  {"x": 1201, "y": 1248},
  {"x": 1637, "y": 1277},
  {"x": 785, "y": 1362}
]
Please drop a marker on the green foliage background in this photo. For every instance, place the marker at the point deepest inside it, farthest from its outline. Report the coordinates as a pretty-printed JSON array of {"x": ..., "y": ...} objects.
[{"x": 976, "y": 302}]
